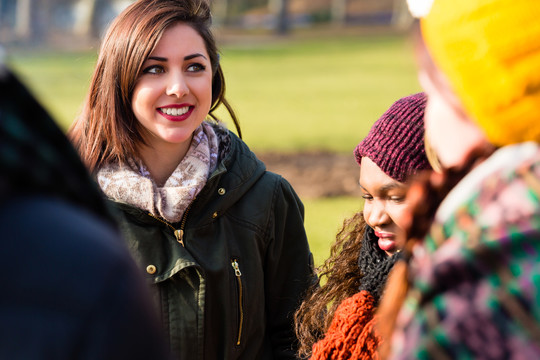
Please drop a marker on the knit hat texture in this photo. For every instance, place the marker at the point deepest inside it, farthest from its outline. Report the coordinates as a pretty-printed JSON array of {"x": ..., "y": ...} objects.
[
  {"x": 489, "y": 50},
  {"x": 396, "y": 141}
]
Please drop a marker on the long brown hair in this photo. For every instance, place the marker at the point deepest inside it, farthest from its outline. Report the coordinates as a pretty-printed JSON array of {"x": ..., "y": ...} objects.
[
  {"x": 107, "y": 130},
  {"x": 342, "y": 276}
]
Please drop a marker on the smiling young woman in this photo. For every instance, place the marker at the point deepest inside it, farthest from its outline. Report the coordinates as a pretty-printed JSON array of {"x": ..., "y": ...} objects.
[
  {"x": 171, "y": 99},
  {"x": 221, "y": 239},
  {"x": 385, "y": 205},
  {"x": 335, "y": 321}
]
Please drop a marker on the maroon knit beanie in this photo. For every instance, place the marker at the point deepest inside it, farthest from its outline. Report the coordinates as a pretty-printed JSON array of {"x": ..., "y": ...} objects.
[{"x": 396, "y": 141}]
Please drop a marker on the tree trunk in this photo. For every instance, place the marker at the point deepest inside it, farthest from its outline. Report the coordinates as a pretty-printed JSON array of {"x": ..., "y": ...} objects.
[
  {"x": 339, "y": 12},
  {"x": 23, "y": 19},
  {"x": 280, "y": 8},
  {"x": 401, "y": 17},
  {"x": 87, "y": 12},
  {"x": 220, "y": 9}
]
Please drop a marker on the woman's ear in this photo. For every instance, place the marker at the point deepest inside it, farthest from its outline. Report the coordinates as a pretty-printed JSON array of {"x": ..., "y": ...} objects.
[{"x": 217, "y": 85}]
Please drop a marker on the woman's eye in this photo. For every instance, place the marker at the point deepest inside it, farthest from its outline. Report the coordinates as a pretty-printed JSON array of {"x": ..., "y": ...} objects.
[
  {"x": 196, "y": 67},
  {"x": 397, "y": 199},
  {"x": 153, "y": 69},
  {"x": 367, "y": 197}
]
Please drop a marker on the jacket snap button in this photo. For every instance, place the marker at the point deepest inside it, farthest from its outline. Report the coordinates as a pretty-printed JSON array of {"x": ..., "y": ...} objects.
[
  {"x": 151, "y": 269},
  {"x": 221, "y": 191},
  {"x": 214, "y": 215}
]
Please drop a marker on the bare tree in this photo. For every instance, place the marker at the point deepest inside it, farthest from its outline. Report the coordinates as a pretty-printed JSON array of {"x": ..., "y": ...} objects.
[
  {"x": 32, "y": 20},
  {"x": 220, "y": 9},
  {"x": 23, "y": 19},
  {"x": 339, "y": 11},
  {"x": 280, "y": 8},
  {"x": 86, "y": 13},
  {"x": 401, "y": 17}
]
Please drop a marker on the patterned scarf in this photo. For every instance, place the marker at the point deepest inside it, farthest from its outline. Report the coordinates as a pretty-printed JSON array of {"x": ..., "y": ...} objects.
[{"x": 131, "y": 183}]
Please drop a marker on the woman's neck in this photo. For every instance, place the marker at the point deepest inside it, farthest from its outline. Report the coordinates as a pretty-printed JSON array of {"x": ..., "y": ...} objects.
[{"x": 161, "y": 161}]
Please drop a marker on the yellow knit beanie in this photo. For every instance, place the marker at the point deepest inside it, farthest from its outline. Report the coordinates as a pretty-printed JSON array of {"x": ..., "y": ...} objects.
[{"x": 490, "y": 52}]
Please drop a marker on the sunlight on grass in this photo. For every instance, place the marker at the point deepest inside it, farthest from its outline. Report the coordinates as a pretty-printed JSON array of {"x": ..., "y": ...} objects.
[
  {"x": 317, "y": 94},
  {"x": 289, "y": 95},
  {"x": 58, "y": 80}
]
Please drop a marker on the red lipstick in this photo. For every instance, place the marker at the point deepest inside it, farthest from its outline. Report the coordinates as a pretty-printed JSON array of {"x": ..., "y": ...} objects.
[{"x": 174, "y": 116}]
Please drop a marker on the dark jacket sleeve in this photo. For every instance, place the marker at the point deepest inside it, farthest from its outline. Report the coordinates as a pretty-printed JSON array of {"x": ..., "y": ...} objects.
[
  {"x": 289, "y": 268},
  {"x": 123, "y": 322},
  {"x": 70, "y": 287}
]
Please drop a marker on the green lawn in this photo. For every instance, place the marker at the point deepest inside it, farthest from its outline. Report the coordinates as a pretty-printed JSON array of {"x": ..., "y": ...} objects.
[
  {"x": 296, "y": 95},
  {"x": 290, "y": 95},
  {"x": 321, "y": 94}
]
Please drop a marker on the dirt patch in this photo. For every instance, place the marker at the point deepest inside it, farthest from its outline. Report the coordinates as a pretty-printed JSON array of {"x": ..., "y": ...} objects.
[{"x": 316, "y": 174}]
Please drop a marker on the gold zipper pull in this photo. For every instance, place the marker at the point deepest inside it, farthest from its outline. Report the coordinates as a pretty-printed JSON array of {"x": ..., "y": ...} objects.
[
  {"x": 236, "y": 268},
  {"x": 179, "y": 234},
  {"x": 238, "y": 274}
]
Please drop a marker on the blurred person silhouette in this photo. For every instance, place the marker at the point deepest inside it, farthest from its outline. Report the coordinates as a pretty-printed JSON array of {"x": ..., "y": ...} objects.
[
  {"x": 222, "y": 240},
  {"x": 336, "y": 319},
  {"x": 70, "y": 289},
  {"x": 469, "y": 280}
]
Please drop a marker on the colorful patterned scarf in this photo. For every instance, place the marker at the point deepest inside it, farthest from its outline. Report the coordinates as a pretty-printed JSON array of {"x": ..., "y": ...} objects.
[{"x": 131, "y": 183}]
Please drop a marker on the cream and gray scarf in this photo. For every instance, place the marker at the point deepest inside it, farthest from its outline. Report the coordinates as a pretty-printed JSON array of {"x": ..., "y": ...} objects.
[{"x": 131, "y": 183}]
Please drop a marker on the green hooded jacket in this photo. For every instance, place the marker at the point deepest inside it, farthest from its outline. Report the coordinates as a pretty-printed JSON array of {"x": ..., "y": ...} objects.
[{"x": 229, "y": 288}]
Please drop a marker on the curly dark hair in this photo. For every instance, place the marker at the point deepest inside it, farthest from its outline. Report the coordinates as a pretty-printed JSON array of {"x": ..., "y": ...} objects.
[
  {"x": 355, "y": 263},
  {"x": 340, "y": 271}
]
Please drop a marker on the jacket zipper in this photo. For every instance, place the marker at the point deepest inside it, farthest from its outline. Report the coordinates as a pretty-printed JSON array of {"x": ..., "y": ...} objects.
[
  {"x": 238, "y": 275},
  {"x": 178, "y": 233}
]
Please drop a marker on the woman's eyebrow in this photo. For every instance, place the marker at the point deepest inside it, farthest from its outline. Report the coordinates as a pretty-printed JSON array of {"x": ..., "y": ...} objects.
[
  {"x": 385, "y": 187},
  {"x": 189, "y": 57},
  {"x": 390, "y": 186},
  {"x": 157, "y": 58}
]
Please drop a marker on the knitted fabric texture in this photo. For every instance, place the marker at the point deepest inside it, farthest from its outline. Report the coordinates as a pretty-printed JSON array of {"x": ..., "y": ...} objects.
[
  {"x": 374, "y": 264},
  {"x": 396, "y": 141},
  {"x": 351, "y": 334},
  {"x": 475, "y": 275},
  {"x": 489, "y": 51}
]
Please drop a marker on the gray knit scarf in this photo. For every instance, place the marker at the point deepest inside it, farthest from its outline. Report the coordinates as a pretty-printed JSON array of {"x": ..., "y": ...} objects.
[{"x": 131, "y": 183}]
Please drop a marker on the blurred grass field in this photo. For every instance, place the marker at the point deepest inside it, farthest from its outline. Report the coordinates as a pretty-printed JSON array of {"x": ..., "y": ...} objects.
[{"x": 290, "y": 95}]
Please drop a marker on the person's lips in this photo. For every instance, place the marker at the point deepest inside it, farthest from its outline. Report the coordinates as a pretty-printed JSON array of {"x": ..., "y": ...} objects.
[
  {"x": 387, "y": 241},
  {"x": 176, "y": 112}
]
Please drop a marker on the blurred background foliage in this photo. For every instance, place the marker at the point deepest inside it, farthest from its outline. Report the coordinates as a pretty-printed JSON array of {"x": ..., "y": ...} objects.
[{"x": 317, "y": 82}]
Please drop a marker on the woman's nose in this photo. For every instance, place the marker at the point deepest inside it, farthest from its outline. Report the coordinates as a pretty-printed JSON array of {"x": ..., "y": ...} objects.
[
  {"x": 377, "y": 214},
  {"x": 177, "y": 85}
]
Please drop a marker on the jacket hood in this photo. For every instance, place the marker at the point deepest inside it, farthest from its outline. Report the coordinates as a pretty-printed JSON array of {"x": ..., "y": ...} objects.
[{"x": 237, "y": 171}]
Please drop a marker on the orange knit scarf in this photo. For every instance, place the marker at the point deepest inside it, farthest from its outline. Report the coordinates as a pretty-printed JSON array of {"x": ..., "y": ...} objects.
[{"x": 351, "y": 334}]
